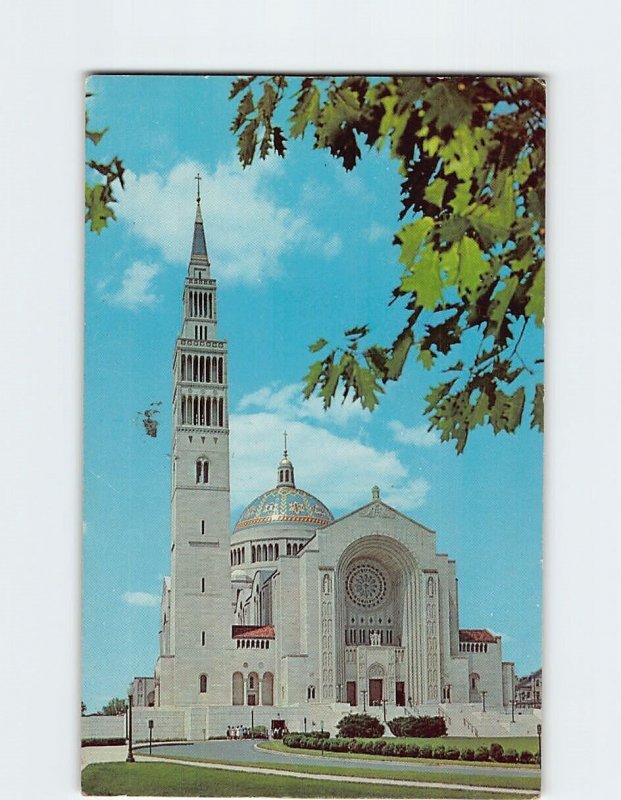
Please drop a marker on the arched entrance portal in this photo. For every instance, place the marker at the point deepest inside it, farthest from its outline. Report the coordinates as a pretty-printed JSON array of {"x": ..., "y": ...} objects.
[{"x": 376, "y": 594}]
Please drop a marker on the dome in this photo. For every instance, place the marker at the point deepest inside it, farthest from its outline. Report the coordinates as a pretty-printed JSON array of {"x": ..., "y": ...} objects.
[{"x": 285, "y": 504}]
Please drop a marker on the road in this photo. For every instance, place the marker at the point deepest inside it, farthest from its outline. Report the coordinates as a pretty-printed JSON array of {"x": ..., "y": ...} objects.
[{"x": 247, "y": 752}]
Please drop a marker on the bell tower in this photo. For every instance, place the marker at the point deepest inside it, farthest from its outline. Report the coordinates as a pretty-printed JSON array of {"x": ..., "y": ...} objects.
[{"x": 200, "y": 613}]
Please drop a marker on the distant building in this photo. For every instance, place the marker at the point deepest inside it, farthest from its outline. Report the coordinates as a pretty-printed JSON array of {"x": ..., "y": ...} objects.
[
  {"x": 529, "y": 690},
  {"x": 143, "y": 691}
]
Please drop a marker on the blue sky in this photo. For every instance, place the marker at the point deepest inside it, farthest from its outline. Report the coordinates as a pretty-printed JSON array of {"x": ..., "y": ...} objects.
[{"x": 300, "y": 250}]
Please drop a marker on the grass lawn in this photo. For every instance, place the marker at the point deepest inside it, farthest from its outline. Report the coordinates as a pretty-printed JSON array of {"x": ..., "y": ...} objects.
[
  {"x": 527, "y": 781},
  {"x": 518, "y": 743},
  {"x": 171, "y": 780}
]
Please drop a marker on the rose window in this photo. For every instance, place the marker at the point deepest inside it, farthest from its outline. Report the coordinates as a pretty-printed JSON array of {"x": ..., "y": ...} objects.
[{"x": 366, "y": 586}]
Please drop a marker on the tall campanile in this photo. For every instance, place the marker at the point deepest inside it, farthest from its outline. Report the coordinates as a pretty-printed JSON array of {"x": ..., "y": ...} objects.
[{"x": 200, "y": 614}]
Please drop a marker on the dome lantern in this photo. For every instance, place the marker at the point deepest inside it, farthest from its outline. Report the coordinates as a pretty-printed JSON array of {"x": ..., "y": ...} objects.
[{"x": 284, "y": 474}]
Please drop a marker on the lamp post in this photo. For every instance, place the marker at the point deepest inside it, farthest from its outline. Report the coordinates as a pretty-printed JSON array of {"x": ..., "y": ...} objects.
[
  {"x": 130, "y": 755},
  {"x": 483, "y": 696},
  {"x": 363, "y": 692},
  {"x": 252, "y": 722},
  {"x": 539, "y": 737}
]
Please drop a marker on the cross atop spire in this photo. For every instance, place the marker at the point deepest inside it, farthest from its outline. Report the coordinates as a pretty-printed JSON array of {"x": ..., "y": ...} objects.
[
  {"x": 285, "y": 451},
  {"x": 198, "y": 180}
]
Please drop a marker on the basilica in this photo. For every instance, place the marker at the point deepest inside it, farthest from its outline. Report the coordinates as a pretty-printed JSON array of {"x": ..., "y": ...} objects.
[{"x": 296, "y": 615}]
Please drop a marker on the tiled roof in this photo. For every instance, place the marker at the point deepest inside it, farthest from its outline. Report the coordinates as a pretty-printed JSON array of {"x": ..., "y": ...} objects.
[
  {"x": 477, "y": 635},
  {"x": 253, "y": 632}
]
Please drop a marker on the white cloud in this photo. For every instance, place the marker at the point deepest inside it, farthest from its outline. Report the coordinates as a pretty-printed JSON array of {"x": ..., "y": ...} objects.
[
  {"x": 409, "y": 495},
  {"x": 339, "y": 468},
  {"x": 289, "y": 403},
  {"x": 136, "y": 287},
  {"x": 247, "y": 227},
  {"x": 418, "y": 436},
  {"x": 141, "y": 599},
  {"x": 377, "y": 231}
]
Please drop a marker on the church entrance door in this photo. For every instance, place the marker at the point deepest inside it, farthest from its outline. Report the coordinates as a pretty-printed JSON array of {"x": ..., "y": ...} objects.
[
  {"x": 400, "y": 693},
  {"x": 375, "y": 691},
  {"x": 351, "y": 693}
]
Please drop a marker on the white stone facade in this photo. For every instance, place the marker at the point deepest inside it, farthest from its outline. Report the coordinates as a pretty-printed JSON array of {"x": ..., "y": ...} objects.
[{"x": 295, "y": 616}]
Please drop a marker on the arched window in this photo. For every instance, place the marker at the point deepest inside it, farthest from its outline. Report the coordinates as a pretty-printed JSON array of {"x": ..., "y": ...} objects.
[
  {"x": 326, "y": 584},
  {"x": 288, "y": 548},
  {"x": 430, "y": 587},
  {"x": 253, "y": 688},
  {"x": 202, "y": 684},
  {"x": 208, "y": 370},
  {"x": 196, "y": 368},
  {"x": 276, "y": 552},
  {"x": 253, "y": 554},
  {"x": 264, "y": 554},
  {"x": 221, "y": 412},
  {"x": 220, "y": 370},
  {"x": 195, "y": 411},
  {"x": 267, "y": 689},
  {"x": 270, "y": 553},
  {"x": 202, "y": 369},
  {"x": 182, "y": 367},
  {"x": 202, "y": 470},
  {"x": 310, "y": 693},
  {"x": 474, "y": 681},
  {"x": 238, "y": 689}
]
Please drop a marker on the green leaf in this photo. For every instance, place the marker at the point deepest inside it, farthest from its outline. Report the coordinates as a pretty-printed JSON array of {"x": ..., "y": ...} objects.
[
  {"x": 536, "y": 304},
  {"x": 311, "y": 379},
  {"x": 506, "y": 412},
  {"x": 305, "y": 111},
  {"x": 318, "y": 345},
  {"x": 412, "y": 236},
  {"x": 98, "y": 211},
  {"x": 472, "y": 266},
  {"x": 425, "y": 281},
  {"x": 537, "y": 413},
  {"x": 426, "y": 358},
  {"x": 399, "y": 354},
  {"x": 434, "y": 193},
  {"x": 447, "y": 106},
  {"x": 96, "y": 136}
]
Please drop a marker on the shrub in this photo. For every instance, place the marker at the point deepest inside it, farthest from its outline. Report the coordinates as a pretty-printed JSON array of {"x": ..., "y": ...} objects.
[
  {"x": 467, "y": 754},
  {"x": 452, "y": 753},
  {"x": 526, "y": 757},
  {"x": 360, "y": 725},
  {"x": 425, "y": 752},
  {"x": 336, "y": 745},
  {"x": 511, "y": 756},
  {"x": 292, "y": 740},
  {"x": 422, "y": 727},
  {"x": 102, "y": 742},
  {"x": 439, "y": 752},
  {"x": 496, "y": 751},
  {"x": 482, "y": 754},
  {"x": 258, "y": 732},
  {"x": 378, "y": 747},
  {"x": 412, "y": 750}
]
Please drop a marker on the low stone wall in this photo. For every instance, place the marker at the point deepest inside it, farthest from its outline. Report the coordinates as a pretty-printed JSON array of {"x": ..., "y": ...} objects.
[
  {"x": 168, "y": 724},
  {"x": 102, "y": 727}
]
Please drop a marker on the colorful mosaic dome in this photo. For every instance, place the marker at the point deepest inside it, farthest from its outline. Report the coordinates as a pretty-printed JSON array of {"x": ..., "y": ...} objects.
[{"x": 286, "y": 504}]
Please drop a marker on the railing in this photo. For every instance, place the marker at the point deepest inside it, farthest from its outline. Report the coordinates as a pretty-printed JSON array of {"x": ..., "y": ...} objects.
[
  {"x": 470, "y": 727},
  {"x": 202, "y": 342}
]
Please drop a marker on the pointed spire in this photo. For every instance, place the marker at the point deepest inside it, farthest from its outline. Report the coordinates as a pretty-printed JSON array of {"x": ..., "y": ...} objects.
[
  {"x": 199, "y": 257},
  {"x": 284, "y": 474}
]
